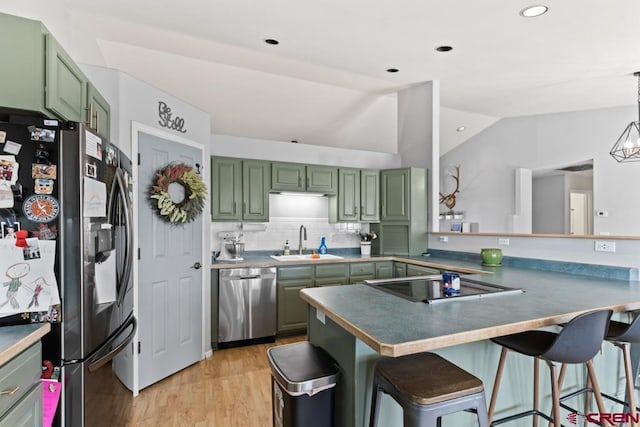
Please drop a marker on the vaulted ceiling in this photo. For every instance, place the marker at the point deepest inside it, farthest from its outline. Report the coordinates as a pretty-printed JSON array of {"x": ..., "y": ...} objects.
[{"x": 326, "y": 81}]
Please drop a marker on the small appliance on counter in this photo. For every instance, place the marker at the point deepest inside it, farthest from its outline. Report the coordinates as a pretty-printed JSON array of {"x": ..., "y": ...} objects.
[{"x": 232, "y": 246}]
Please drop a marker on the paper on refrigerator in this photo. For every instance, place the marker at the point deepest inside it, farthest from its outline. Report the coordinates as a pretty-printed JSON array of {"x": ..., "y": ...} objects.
[
  {"x": 94, "y": 198},
  {"x": 27, "y": 279},
  {"x": 106, "y": 279}
]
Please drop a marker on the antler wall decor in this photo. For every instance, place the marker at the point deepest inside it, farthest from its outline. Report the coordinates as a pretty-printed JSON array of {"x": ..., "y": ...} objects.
[{"x": 449, "y": 200}]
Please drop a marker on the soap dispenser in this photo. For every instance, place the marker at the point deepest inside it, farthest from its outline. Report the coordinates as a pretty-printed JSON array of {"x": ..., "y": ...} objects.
[
  {"x": 322, "y": 250},
  {"x": 287, "y": 249}
]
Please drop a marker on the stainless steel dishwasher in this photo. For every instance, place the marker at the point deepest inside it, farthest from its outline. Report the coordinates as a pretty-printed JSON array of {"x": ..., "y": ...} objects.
[{"x": 246, "y": 304}]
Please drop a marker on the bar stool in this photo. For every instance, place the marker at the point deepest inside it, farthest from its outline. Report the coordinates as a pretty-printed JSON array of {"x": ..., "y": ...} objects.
[
  {"x": 427, "y": 387},
  {"x": 621, "y": 335},
  {"x": 578, "y": 342}
]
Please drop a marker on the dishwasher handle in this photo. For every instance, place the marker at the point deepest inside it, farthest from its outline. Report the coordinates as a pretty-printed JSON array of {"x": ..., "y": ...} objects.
[{"x": 255, "y": 276}]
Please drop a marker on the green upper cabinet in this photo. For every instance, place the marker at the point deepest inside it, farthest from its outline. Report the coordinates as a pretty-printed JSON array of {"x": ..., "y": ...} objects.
[
  {"x": 349, "y": 195},
  {"x": 239, "y": 190},
  {"x": 66, "y": 85},
  {"x": 395, "y": 195},
  {"x": 369, "y": 195},
  {"x": 256, "y": 176},
  {"x": 322, "y": 179},
  {"x": 98, "y": 112},
  {"x": 226, "y": 189},
  {"x": 301, "y": 177},
  {"x": 288, "y": 177},
  {"x": 22, "y": 42},
  {"x": 358, "y": 196},
  {"x": 41, "y": 77}
]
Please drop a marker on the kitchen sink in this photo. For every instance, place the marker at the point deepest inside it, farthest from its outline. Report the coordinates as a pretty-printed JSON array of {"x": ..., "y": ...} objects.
[
  {"x": 429, "y": 289},
  {"x": 304, "y": 257}
]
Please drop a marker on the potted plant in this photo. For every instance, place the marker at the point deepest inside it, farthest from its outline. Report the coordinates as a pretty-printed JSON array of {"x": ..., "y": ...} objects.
[{"x": 365, "y": 243}]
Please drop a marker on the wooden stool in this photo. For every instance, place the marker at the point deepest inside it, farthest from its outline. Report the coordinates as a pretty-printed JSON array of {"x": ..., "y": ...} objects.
[{"x": 427, "y": 387}]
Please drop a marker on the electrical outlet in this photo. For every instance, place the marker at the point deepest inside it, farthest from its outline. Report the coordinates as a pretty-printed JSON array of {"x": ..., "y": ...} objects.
[
  {"x": 602, "y": 246},
  {"x": 444, "y": 239},
  {"x": 503, "y": 242}
]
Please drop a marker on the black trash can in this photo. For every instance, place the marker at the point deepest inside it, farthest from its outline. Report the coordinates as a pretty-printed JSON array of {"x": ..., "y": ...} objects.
[{"x": 302, "y": 385}]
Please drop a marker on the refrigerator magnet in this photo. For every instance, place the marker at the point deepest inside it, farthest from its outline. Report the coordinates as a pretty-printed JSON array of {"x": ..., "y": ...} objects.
[
  {"x": 43, "y": 171},
  {"x": 43, "y": 135},
  {"x": 3, "y": 136},
  {"x": 12, "y": 147},
  {"x": 43, "y": 186},
  {"x": 90, "y": 170}
]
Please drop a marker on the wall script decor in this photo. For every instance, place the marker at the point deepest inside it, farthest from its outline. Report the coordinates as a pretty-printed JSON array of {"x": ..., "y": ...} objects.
[{"x": 167, "y": 120}]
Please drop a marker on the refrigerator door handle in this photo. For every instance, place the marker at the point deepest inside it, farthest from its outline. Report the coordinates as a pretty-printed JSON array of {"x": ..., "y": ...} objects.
[
  {"x": 94, "y": 365},
  {"x": 119, "y": 191}
]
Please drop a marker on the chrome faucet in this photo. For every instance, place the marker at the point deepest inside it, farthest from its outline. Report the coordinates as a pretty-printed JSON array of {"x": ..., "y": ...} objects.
[{"x": 302, "y": 229}]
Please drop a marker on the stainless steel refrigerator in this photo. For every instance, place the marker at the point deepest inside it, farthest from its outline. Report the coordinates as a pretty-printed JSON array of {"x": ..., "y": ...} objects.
[{"x": 95, "y": 325}]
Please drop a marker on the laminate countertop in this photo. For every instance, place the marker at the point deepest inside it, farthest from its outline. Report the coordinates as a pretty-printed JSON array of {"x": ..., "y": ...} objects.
[
  {"x": 15, "y": 339},
  {"x": 393, "y": 326},
  {"x": 250, "y": 261}
]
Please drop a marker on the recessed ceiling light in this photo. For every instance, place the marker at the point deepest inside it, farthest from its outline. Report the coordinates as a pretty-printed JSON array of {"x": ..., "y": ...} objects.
[
  {"x": 444, "y": 48},
  {"x": 271, "y": 41},
  {"x": 461, "y": 128},
  {"x": 533, "y": 11},
  {"x": 392, "y": 70}
]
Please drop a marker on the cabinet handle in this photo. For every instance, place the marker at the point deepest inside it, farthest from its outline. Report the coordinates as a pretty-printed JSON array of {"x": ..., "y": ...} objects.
[
  {"x": 234, "y": 208},
  {"x": 89, "y": 111},
  {"x": 355, "y": 208},
  {"x": 244, "y": 208},
  {"x": 299, "y": 180},
  {"x": 10, "y": 391},
  {"x": 97, "y": 117}
]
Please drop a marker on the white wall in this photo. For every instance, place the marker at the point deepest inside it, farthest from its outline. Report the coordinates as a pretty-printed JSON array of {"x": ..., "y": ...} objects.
[{"x": 488, "y": 160}]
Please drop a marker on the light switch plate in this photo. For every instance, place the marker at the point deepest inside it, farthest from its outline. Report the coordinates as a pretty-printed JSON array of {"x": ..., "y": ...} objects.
[{"x": 320, "y": 316}]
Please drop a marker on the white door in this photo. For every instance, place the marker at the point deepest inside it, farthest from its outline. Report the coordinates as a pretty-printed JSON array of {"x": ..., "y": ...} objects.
[{"x": 170, "y": 276}]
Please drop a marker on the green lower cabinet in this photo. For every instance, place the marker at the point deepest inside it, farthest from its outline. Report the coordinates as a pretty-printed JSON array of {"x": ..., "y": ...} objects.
[
  {"x": 384, "y": 270},
  {"x": 418, "y": 270},
  {"x": 292, "y": 310},
  {"x": 331, "y": 274},
  {"x": 399, "y": 269},
  {"x": 361, "y": 271}
]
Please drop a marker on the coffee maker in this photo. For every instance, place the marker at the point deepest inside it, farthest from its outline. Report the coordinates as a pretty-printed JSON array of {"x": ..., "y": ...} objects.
[{"x": 232, "y": 246}]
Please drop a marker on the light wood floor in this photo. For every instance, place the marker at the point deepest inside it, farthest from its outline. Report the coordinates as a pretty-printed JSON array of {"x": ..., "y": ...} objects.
[{"x": 232, "y": 388}]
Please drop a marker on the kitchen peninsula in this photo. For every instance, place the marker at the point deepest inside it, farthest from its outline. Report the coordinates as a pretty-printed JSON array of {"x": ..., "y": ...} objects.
[{"x": 356, "y": 324}]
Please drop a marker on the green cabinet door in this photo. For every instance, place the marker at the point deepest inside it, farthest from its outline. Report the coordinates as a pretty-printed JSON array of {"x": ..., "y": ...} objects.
[
  {"x": 292, "y": 310},
  {"x": 288, "y": 177},
  {"x": 226, "y": 189},
  {"x": 399, "y": 269},
  {"x": 369, "y": 195},
  {"x": 322, "y": 179},
  {"x": 98, "y": 112},
  {"x": 384, "y": 270},
  {"x": 348, "y": 194},
  {"x": 256, "y": 175},
  {"x": 66, "y": 85},
  {"x": 395, "y": 194},
  {"x": 22, "y": 42},
  {"x": 418, "y": 270}
]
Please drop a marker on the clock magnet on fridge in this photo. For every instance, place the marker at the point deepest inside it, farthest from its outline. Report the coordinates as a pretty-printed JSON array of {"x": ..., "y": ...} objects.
[{"x": 41, "y": 208}]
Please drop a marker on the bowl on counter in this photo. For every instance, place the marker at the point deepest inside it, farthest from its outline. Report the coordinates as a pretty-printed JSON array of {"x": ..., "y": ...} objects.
[
  {"x": 235, "y": 249},
  {"x": 491, "y": 257}
]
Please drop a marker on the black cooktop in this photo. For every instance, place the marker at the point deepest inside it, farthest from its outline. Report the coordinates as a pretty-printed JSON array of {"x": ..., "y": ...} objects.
[{"x": 431, "y": 290}]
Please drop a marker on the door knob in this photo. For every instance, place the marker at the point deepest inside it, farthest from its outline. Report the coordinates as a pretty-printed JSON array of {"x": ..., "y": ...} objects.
[{"x": 197, "y": 266}]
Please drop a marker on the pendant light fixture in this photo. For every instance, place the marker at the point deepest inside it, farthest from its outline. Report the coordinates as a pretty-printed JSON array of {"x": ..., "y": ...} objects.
[{"x": 627, "y": 147}]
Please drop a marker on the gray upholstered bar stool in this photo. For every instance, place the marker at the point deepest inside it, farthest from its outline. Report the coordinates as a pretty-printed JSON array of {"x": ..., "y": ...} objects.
[
  {"x": 427, "y": 387},
  {"x": 577, "y": 342}
]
